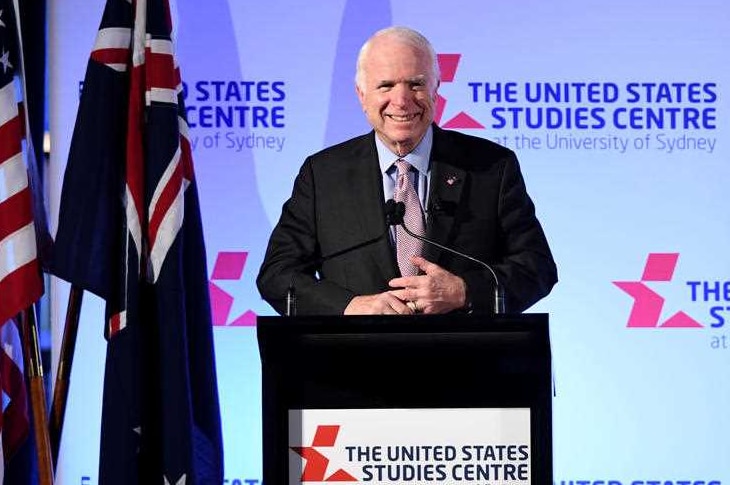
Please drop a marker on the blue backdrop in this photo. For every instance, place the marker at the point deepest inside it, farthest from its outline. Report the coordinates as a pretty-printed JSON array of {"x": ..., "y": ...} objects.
[{"x": 619, "y": 116}]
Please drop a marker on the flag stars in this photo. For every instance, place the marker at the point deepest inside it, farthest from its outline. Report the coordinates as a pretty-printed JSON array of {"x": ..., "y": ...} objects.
[
  {"x": 5, "y": 61},
  {"x": 6, "y": 400},
  {"x": 5, "y": 58},
  {"x": 181, "y": 481},
  {"x": 138, "y": 432}
]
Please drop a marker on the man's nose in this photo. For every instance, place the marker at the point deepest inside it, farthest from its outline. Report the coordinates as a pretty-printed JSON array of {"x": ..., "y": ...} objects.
[{"x": 400, "y": 95}]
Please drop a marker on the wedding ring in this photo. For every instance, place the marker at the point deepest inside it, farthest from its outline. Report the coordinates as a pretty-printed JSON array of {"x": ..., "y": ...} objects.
[{"x": 412, "y": 305}]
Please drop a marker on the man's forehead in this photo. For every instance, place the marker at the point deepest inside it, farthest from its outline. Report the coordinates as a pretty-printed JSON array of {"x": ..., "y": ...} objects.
[{"x": 402, "y": 79}]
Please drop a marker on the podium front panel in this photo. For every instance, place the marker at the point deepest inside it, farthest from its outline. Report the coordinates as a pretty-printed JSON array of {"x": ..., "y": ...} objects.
[{"x": 418, "y": 363}]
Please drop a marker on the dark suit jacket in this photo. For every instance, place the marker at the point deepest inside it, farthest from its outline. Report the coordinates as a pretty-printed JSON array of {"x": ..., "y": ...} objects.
[{"x": 334, "y": 223}]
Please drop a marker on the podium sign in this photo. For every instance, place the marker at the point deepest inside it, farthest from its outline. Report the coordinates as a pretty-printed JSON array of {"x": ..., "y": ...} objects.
[
  {"x": 396, "y": 446},
  {"x": 345, "y": 397}
]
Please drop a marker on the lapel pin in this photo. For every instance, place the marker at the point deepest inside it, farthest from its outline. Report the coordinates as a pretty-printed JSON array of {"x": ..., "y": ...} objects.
[{"x": 452, "y": 180}]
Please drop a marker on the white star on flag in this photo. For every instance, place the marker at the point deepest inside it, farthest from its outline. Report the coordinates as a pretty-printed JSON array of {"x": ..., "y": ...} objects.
[
  {"x": 5, "y": 61},
  {"x": 179, "y": 482},
  {"x": 138, "y": 430}
]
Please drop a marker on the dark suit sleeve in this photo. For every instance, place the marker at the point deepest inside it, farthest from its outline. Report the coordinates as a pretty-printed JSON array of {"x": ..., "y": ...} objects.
[
  {"x": 523, "y": 263},
  {"x": 527, "y": 269},
  {"x": 292, "y": 256}
]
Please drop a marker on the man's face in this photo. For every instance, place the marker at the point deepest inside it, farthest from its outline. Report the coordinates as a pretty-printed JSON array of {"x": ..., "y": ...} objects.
[{"x": 397, "y": 93}]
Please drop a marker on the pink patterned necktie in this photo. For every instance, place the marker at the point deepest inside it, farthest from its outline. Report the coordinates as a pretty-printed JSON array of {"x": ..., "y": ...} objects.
[{"x": 406, "y": 246}]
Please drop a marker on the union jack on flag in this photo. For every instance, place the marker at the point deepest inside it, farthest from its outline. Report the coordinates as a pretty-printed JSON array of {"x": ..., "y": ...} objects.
[{"x": 130, "y": 231}]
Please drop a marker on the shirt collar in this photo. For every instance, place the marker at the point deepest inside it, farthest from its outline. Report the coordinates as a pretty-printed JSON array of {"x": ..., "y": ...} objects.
[{"x": 418, "y": 157}]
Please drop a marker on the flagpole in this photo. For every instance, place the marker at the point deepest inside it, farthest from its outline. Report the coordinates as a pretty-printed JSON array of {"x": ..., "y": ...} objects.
[
  {"x": 63, "y": 373},
  {"x": 34, "y": 371}
]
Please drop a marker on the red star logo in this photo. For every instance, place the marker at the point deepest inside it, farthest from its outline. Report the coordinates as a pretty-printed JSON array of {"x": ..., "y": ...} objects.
[
  {"x": 317, "y": 463},
  {"x": 448, "y": 63},
  {"x": 229, "y": 266}
]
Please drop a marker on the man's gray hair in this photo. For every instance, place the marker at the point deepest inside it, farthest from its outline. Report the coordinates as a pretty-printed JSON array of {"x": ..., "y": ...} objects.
[{"x": 407, "y": 36}]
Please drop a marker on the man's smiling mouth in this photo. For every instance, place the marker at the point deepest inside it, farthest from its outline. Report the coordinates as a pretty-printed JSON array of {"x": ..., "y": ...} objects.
[{"x": 403, "y": 118}]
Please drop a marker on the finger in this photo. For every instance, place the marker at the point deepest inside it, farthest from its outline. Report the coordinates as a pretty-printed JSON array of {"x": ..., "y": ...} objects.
[
  {"x": 406, "y": 295},
  {"x": 403, "y": 282},
  {"x": 401, "y": 307},
  {"x": 423, "y": 306},
  {"x": 404, "y": 308},
  {"x": 394, "y": 304},
  {"x": 400, "y": 294},
  {"x": 425, "y": 265},
  {"x": 422, "y": 262}
]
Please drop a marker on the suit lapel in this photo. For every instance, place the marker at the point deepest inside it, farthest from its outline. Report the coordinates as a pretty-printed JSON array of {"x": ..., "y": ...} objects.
[
  {"x": 446, "y": 187},
  {"x": 367, "y": 207}
]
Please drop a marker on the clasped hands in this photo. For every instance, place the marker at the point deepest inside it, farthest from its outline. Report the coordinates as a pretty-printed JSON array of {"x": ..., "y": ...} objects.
[{"x": 435, "y": 291}]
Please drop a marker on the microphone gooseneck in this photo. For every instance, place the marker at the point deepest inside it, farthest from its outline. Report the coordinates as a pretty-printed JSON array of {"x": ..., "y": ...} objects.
[
  {"x": 291, "y": 300},
  {"x": 498, "y": 296}
]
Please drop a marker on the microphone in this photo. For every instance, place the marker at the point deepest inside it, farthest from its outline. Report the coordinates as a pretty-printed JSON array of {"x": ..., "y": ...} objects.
[
  {"x": 390, "y": 218},
  {"x": 397, "y": 220}
]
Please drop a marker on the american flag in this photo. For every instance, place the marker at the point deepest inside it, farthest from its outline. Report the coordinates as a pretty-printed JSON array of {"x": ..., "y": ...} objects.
[
  {"x": 20, "y": 279},
  {"x": 130, "y": 231},
  {"x": 14, "y": 420},
  {"x": 21, "y": 283}
]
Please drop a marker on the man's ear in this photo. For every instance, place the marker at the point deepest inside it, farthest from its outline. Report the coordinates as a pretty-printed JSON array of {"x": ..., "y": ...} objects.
[{"x": 436, "y": 90}]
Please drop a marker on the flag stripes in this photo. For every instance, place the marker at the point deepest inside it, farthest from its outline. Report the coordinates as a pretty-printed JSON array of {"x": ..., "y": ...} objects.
[
  {"x": 21, "y": 283},
  {"x": 166, "y": 213},
  {"x": 14, "y": 420},
  {"x": 20, "y": 280},
  {"x": 112, "y": 47},
  {"x": 14, "y": 195}
]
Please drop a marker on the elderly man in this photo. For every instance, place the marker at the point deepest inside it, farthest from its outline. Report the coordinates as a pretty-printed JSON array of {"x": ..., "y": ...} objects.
[{"x": 332, "y": 245}]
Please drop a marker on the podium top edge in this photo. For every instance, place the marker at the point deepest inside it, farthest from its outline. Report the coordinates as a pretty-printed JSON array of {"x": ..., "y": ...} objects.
[{"x": 537, "y": 322}]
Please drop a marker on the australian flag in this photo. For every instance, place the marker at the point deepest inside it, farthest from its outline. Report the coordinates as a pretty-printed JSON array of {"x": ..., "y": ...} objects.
[{"x": 130, "y": 232}]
